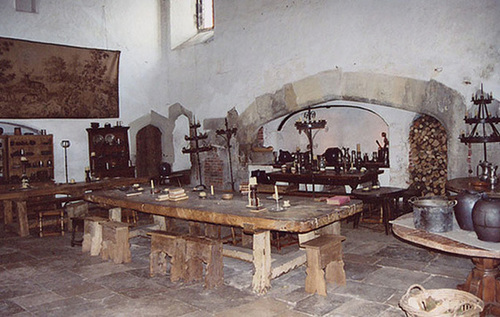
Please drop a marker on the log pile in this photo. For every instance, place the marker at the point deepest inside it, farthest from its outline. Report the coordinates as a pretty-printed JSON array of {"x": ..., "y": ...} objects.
[{"x": 428, "y": 155}]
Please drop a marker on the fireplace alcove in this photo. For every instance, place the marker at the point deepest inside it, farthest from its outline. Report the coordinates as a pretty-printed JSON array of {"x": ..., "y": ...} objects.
[{"x": 381, "y": 93}]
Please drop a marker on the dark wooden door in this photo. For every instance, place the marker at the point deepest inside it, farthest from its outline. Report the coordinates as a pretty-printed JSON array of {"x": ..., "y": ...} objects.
[{"x": 149, "y": 153}]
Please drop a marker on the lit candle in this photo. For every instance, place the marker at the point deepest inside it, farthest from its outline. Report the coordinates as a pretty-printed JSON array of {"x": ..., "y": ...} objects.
[
  {"x": 152, "y": 185},
  {"x": 276, "y": 193},
  {"x": 212, "y": 190}
]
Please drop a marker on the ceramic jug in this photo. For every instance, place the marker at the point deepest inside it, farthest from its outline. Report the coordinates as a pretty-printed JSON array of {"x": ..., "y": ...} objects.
[
  {"x": 486, "y": 168},
  {"x": 466, "y": 200}
]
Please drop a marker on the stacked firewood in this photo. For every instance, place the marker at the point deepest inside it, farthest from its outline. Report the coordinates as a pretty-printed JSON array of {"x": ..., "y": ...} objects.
[{"x": 428, "y": 155}]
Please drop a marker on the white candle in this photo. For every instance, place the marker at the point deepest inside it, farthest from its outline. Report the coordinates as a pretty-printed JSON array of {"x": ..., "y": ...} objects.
[
  {"x": 212, "y": 190},
  {"x": 249, "y": 199},
  {"x": 276, "y": 193},
  {"x": 152, "y": 185}
]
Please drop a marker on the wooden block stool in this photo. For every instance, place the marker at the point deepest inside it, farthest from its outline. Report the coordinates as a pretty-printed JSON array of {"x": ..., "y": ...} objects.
[
  {"x": 77, "y": 224},
  {"x": 92, "y": 235},
  {"x": 59, "y": 213},
  {"x": 165, "y": 244},
  {"x": 187, "y": 255},
  {"x": 201, "y": 250},
  {"x": 324, "y": 261},
  {"x": 115, "y": 244}
]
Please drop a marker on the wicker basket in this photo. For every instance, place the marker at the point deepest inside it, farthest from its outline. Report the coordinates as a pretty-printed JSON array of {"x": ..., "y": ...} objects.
[{"x": 419, "y": 302}]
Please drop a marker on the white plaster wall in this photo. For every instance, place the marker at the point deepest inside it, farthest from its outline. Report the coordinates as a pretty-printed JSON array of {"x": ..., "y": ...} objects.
[
  {"x": 129, "y": 26},
  {"x": 261, "y": 45}
]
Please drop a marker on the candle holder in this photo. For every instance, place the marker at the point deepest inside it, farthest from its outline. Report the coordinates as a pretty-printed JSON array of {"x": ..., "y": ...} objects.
[
  {"x": 308, "y": 125},
  {"x": 196, "y": 148},
  {"x": 227, "y": 134},
  {"x": 65, "y": 144},
  {"x": 483, "y": 131}
]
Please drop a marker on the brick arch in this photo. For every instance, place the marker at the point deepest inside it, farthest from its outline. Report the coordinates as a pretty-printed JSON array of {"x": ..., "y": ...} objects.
[{"x": 426, "y": 97}]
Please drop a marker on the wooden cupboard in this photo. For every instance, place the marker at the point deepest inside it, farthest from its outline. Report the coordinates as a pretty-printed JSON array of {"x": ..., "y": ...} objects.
[{"x": 109, "y": 152}]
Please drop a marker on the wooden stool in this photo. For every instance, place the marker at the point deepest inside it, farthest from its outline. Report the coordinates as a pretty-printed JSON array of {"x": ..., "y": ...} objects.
[
  {"x": 324, "y": 261},
  {"x": 76, "y": 223},
  {"x": 76, "y": 209},
  {"x": 115, "y": 245},
  {"x": 51, "y": 213},
  {"x": 92, "y": 235},
  {"x": 187, "y": 255}
]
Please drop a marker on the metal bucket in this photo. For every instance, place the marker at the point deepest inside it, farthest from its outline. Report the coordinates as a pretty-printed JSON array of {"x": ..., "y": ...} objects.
[{"x": 433, "y": 214}]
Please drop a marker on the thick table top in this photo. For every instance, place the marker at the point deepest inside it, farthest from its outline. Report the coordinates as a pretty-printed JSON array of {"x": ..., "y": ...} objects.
[
  {"x": 439, "y": 241},
  {"x": 471, "y": 183},
  {"x": 304, "y": 215},
  {"x": 76, "y": 190},
  {"x": 327, "y": 177},
  {"x": 382, "y": 192}
]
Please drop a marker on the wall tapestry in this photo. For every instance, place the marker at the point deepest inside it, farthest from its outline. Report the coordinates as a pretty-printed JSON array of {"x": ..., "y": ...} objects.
[{"x": 39, "y": 80}]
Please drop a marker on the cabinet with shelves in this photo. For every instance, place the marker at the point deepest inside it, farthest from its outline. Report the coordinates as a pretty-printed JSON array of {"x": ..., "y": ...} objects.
[
  {"x": 30, "y": 155},
  {"x": 109, "y": 152}
]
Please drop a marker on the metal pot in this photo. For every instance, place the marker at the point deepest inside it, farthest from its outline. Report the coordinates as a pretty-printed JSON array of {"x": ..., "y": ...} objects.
[{"x": 433, "y": 214}]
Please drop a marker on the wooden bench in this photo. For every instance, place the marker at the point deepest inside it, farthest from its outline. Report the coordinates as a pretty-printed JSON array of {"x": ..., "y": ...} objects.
[
  {"x": 92, "y": 235},
  {"x": 187, "y": 255},
  {"x": 115, "y": 244},
  {"x": 324, "y": 262}
]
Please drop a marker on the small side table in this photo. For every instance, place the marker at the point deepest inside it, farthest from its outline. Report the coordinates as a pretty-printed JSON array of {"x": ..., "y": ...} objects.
[
  {"x": 482, "y": 281},
  {"x": 386, "y": 196}
]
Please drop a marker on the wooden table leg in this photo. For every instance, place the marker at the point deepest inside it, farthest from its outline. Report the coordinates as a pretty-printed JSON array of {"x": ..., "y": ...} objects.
[
  {"x": 22, "y": 217},
  {"x": 161, "y": 222},
  {"x": 387, "y": 213},
  {"x": 115, "y": 214},
  {"x": 482, "y": 282},
  {"x": 262, "y": 262},
  {"x": 7, "y": 212}
]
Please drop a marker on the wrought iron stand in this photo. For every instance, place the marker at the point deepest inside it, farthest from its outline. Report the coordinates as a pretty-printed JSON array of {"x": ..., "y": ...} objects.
[{"x": 195, "y": 148}]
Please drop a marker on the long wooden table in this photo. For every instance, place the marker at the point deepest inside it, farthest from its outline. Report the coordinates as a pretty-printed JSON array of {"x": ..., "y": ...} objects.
[
  {"x": 482, "y": 280},
  {"x": 15, "y": 198},
  {"x": 305, "y": 217},
  {"x": 328, "y": 177}
]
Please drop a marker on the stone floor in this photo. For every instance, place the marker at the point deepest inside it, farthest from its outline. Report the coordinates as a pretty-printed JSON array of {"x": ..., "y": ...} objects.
[{"x": 48, "y": 277}]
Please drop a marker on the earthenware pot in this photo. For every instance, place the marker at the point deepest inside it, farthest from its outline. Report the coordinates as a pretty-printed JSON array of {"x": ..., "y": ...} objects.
[
  {"x": 486, "y": 219},
  {"x": 466, "y": 200}
]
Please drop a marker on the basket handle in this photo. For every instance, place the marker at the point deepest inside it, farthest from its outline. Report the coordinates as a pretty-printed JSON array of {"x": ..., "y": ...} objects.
[{"x": 414, "y": 287}]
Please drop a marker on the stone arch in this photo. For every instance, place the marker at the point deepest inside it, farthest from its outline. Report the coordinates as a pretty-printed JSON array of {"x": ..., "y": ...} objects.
[
  {"x": 426, "y": 97},
  {"x": 164, "y": 124}
]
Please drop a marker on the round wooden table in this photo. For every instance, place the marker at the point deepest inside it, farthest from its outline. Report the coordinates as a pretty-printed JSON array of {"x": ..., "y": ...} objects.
[
  {"x": 482, "y": 280},
  {"x": 472, "y": 183},
  {"x": 386, "y": 196}
]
